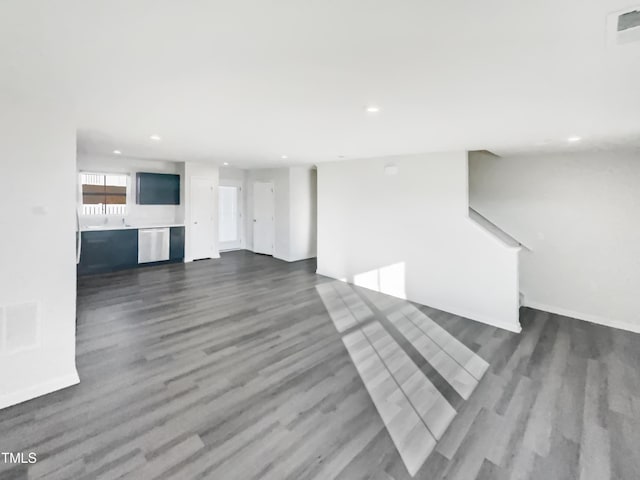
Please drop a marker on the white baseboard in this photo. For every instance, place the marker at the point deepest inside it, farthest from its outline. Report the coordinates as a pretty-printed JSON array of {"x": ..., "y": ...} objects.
[
  {"x": 191, "y": 260},
  {"x": 34, "y": 391},
  {"x": 479, "y": 317},
  {"x": 298, "y": 259},
  {"x": 291, "y": 260},
  {"x": 587, "y": 317},
  {"x": 327, "y": 274}
]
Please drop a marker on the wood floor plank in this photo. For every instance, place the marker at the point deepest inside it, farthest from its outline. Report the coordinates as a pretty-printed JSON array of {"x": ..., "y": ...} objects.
[
  {"x": 459, "y": 378},
  {"x": 409, "y": 433}
]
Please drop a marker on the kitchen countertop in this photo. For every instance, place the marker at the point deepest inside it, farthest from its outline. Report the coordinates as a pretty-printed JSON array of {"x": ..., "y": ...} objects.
[{"x": 103, "y": 228}]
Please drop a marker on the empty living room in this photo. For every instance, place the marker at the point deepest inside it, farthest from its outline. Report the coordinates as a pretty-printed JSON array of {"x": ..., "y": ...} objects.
[{"x": 316, "y": 240}]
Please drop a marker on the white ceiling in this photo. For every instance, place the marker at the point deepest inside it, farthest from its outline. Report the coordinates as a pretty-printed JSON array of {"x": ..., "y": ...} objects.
[{"x": 246, "y": 81}]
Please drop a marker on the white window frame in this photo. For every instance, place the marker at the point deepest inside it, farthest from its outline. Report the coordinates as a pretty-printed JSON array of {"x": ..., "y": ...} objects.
[{"x": 123, "y": 213}]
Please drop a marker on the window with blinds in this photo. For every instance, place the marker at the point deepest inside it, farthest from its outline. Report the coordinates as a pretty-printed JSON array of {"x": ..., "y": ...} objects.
[{"x": 104, "y": 193}]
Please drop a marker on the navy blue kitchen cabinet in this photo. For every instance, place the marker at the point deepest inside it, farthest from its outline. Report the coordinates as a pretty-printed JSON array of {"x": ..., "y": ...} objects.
[
  {"x": 108, "y": 251},
  {"x": 157, "y": 189},
  {"x": 112, "y": 250},
  {"x": 176, "y": 245}
]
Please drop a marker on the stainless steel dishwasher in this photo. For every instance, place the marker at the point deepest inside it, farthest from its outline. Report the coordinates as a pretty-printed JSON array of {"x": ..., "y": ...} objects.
[{"x": 153, "y": 244}]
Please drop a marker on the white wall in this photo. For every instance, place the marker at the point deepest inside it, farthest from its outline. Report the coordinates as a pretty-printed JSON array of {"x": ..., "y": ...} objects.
[
  {"x": 138, "y": 215},
  {"x": 37, "y": 247},
  {"x": 409, "y": 235},
  {"x": 302, "y": 213},
  {"x": 579, "y": 213},
  {"x": 232, "y": 174},
  {"x": 210, "y": 171}
]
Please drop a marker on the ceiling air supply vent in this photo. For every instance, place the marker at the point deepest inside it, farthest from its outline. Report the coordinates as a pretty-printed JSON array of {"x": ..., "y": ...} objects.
[
  {"x": 624, "y": 26},
  {"x": 629, "y": 20}
]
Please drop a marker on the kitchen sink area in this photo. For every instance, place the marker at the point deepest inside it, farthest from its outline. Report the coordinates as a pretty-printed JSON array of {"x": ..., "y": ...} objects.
[{"x": 129, "y": 219}]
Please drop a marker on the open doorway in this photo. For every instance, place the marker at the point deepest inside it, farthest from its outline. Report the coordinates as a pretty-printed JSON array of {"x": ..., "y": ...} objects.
[{"x": 230, "y": 215}]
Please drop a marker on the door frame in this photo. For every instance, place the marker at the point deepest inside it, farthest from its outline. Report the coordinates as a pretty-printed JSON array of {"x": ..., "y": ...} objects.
[
  {"x": 273, "y": 222},
  {"x": 239, "y": 245}
]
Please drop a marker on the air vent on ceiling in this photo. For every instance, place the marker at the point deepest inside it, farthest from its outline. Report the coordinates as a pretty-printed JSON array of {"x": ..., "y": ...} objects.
[
  {"x": 624, "y": 27},
  {"x": 629, "y": 20}
]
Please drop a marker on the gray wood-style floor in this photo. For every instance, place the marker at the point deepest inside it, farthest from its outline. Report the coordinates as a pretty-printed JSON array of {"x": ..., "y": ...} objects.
[{"x": 233, "y": 369}]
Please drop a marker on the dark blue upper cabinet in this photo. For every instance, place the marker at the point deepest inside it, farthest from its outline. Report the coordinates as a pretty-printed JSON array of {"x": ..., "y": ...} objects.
[{"x": 157, "y": 189}]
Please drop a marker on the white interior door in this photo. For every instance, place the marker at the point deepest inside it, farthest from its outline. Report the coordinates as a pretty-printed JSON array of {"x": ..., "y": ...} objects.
[
  {"x": 202, "y": 218},
  {"x": 229, "y": 217},
  {"x": 263, "y": 213}
]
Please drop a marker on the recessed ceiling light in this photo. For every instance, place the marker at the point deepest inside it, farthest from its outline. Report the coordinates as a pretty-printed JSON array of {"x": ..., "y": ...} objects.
[
  {"x": 373, "y": 109},
  {"x": 226, "y": 163},
  {"x": 117, "y": 152},
  {"x": 155, "y": 137},
  {"x": 574, "y": 139},
  {"x": 284, "y": 157}
]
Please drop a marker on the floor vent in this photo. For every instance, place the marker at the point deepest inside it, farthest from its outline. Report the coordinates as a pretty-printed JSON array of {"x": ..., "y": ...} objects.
[
  {"x": 19, "y": 327},
  {"x": 624, "y": 27}
]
